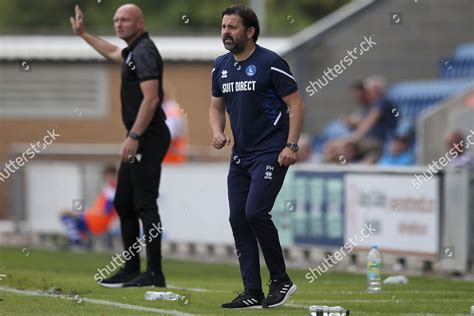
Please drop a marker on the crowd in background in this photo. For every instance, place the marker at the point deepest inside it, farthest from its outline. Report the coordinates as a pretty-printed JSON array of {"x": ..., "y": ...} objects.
[{"x": 368, "y": 134}]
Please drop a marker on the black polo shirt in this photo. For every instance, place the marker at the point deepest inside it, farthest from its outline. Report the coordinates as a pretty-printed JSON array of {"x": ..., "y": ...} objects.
[{"x": 142, "y": 62}]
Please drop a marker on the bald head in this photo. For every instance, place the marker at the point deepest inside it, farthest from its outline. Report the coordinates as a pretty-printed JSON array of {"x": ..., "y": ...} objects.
[
  {"x": 128, "y": 22},
  {"x": 375, "y": 86},
  {"x": 133, "y": 10}
]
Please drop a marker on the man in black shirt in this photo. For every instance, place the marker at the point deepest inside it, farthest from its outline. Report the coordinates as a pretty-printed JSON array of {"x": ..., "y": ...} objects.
[{"x": 144, "y": 147}]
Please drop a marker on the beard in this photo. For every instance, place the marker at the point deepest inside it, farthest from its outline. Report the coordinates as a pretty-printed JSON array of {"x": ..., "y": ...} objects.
[{"x": 236, "y": 46}]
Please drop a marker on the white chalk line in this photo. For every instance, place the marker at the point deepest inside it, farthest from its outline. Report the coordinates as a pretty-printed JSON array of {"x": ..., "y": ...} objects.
[
  {"x": 396, "y": 300},
  {"x": 390, "y": 292},
  {"x": 203, "y": 290},
  {"x": 96, "y": 301},
  {"x": 195, "y": 289},
  {"x": 174, "y": 312}
]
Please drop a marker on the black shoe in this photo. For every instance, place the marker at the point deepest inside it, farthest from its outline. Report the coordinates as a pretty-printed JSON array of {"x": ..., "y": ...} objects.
[
  {"x": 147, "y": 278},
  {"x": 119, "y": 278},
  {"x": 245, "y": 300},
  {"x": 279, "y": 293}
]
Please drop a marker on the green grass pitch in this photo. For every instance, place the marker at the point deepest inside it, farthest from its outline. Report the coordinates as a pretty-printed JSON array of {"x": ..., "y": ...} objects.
[{"x": 205, "y": 286}]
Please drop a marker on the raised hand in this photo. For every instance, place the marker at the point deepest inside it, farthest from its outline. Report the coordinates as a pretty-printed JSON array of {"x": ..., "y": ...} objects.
[{"x": 77, "y": 22}]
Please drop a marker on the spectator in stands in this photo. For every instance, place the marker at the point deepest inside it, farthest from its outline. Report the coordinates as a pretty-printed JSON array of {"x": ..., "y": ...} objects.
[
  {"x": 375, "y": 128},
  {"x": 360, "y": 95},
  {"x": 399, "y": 153},
  {"x": 343, "y": 152},
  {"x": 456, "y": 148},
  {"x": 177, "y": 124},
  {"x": 380, "y": 122},
  {"x": 96, "y": 220},
  {"x": 345, "y": 125}
]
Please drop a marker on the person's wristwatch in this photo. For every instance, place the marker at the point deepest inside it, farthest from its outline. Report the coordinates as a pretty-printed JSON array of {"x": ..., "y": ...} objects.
[
  {"x": 134, "y": 136},
  {"x": 293, "y": 146}
]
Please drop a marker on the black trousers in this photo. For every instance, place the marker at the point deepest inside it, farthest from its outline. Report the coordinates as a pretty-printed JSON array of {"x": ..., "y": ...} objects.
[
  {"x": 252, "y": 188},
  {"x": 136, "y": 198}
]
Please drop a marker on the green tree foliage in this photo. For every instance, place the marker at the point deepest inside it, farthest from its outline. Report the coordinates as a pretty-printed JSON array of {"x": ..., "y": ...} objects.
[{"x": 162, "y": 17}]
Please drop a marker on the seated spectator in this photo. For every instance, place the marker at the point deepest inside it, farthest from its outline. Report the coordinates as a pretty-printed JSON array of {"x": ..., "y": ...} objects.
[
  {"x": 95, "y": 220},
  {"x": 456, "y": 148},
  {"x": 399, "y": 154},
  {"x": 345, "y": 125},
  {"x": 373, "y": 129},
  {"x": 360, "y": 95},
  {"x": 380, "y": 123},
  {"x": 342, "y": 152}
]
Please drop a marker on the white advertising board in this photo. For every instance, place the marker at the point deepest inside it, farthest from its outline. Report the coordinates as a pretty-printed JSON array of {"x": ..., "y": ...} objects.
[{"x": 406, "y": 219}]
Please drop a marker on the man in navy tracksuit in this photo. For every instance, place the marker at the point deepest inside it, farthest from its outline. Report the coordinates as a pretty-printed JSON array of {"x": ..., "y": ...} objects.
[{"x": 266, "y": 111}]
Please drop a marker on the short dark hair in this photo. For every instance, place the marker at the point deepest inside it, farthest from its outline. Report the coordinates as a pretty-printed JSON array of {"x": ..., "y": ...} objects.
[{"x": 248, "y": 16}]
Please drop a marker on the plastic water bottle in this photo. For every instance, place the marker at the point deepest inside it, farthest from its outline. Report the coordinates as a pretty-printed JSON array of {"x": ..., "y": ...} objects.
[
  {"x": 322, "y": 310},
  {"x": 319, "y": 310},
  {"x": 374, "y": 266},
  {"x": 162, "y": 296},
  {"x": 336, "y": 311}
]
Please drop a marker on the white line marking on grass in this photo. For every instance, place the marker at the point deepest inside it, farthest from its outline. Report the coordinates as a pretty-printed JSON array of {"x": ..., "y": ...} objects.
[
  {"x": 395, "y": 291},
  {"x": 195, "y": 289},
  {"x": 96, "y": 301},
  {"x": 313, "y": 302},
  {"x": 294, "y": 305}
]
